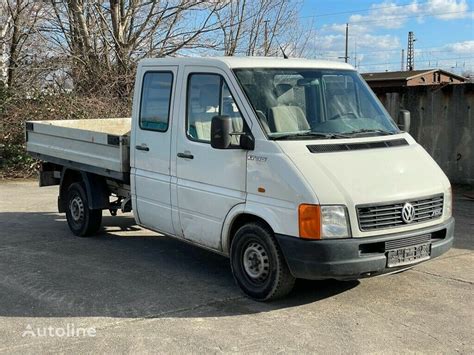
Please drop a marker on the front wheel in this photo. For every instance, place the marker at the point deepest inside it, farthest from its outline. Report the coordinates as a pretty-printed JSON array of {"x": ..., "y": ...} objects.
[
  {"x": 258, "y": 265},
  {"x": 82, "y": 221}
]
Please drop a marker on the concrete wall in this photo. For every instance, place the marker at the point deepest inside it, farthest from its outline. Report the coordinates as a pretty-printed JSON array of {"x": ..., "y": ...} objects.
[{"x": 441, "y": 121}]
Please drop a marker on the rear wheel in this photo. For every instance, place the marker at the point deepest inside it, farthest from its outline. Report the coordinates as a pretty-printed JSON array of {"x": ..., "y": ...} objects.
[
  {"x": 258, "y": 265},
  {"x": 82, "y": 221}
]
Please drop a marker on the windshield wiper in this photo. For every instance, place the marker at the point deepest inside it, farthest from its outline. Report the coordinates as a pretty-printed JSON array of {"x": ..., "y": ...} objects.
[
  {"x": 367, "y": 130},
  {"x": 309, "y": 135}
]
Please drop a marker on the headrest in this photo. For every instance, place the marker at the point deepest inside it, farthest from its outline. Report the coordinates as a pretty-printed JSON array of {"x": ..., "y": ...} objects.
[
  {"x": 209, "y": 95},
  {"x": 280, "y": 89}
]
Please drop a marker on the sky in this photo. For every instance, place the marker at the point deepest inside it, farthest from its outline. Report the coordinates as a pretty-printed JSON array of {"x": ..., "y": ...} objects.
[{"x": 378, "y": 30}]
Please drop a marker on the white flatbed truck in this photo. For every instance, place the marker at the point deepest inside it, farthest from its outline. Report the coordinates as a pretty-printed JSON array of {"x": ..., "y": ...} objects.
[{"x": 290, "y": 167}]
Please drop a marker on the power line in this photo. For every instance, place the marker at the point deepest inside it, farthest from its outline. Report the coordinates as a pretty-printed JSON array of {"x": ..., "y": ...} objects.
[
  {"x": 397, "y": 50},
  {"x": 417, "y": 50},
  {"x": 363, "y": 10},
  {"x": 419, "y": 61},
  {"x": 428, "y": 50},
  {"x": 388, "y": 18},
  {"x": 420, "y": 14}
]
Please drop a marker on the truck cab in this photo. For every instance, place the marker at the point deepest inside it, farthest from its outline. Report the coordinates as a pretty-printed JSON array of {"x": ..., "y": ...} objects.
[{"x": 290, "y": 167}]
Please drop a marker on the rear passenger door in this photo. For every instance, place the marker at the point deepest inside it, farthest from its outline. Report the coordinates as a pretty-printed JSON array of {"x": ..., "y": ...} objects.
[
  {"x": 150, "y": 152},
  {"x": 209, "y": 181}
]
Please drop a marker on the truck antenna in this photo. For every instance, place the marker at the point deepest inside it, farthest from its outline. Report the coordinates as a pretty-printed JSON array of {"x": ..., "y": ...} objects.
[
  {"x": 281, "y": 48},
  {"x": 283, "y": 51}
]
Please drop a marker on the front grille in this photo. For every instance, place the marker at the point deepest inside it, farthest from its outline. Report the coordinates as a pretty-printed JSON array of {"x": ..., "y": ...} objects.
[{"x": 383, "y": 216}]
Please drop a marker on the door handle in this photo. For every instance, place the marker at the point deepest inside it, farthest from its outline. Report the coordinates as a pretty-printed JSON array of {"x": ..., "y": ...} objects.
[
  {"x": 142, "y": 147},
  {"x": 185, "y": 156}
]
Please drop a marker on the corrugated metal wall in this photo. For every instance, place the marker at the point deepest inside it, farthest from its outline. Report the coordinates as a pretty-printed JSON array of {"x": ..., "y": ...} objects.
[{"x": 442, "y": 122}]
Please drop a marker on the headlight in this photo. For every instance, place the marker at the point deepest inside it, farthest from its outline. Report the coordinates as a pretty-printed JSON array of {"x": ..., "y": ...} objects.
[
  {"x": 334, "y": 222},
  {"x": 448, "y": 202},
  {"x": 323, "y": 222}
]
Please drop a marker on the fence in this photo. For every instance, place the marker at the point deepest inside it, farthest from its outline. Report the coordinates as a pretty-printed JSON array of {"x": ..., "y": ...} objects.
[{"x": 441, "y": 121}]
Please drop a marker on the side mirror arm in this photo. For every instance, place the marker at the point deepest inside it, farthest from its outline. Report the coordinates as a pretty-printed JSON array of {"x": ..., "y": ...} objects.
[{"x": 247, "y": 141}]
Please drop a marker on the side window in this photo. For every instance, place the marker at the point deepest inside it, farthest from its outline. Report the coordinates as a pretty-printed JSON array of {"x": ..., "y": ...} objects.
[
  {"x": 209, "y": 96},
  {"x": 155, "y": 101}
]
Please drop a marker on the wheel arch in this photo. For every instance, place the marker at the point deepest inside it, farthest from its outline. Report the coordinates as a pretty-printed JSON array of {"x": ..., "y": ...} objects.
[
  {"x": 95, "y": 186},
  {"x": 238, "y": 217},
  {"x": 278, "y": 281}
]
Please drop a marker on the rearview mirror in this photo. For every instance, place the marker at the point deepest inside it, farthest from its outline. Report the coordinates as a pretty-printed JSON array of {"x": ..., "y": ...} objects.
[
  {"x": 404, "y": 120},
  {"x": 221, "y": 129}
]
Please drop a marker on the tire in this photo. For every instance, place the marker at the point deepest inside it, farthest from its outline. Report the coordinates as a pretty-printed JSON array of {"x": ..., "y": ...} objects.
[
  {"x": 258, "y": 265},
  {"x": 82, "y": 221}
]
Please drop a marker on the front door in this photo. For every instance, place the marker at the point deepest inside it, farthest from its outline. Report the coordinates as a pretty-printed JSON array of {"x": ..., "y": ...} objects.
[
  {"x": 209, "y": 181},
  {"x": 152, "y": 146}
]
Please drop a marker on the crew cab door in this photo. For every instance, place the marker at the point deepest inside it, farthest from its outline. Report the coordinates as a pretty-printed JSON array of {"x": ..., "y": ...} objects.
[
  {"x": 151, "y": 147},
  {"x": 209, "y": 181}
]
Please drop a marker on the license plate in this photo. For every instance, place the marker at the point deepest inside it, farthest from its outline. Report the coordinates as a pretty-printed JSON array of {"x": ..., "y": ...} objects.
[{"x": 408, "y": 255}]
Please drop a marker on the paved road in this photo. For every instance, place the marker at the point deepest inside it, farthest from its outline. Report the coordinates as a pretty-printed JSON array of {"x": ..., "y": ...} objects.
[{"x": 135, "y": 291}]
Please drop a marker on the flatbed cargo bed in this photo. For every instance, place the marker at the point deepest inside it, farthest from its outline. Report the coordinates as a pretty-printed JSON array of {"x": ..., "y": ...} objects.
[{"x": 99, "y": 146}]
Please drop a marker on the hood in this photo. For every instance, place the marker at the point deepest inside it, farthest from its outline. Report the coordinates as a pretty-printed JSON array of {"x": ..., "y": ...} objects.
[{"x": 367, "y": 176}]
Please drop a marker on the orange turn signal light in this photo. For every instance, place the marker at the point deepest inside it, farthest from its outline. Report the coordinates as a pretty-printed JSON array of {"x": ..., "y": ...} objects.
[{"x": 309, "y": 221}]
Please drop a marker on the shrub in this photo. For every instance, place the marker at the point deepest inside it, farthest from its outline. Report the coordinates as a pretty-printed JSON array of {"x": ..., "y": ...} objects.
[{"x": 16, "y": 109}]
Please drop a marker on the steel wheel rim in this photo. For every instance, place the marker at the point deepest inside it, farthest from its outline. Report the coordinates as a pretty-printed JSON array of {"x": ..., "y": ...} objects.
[
  {"x": 256, "y": 262},
  {"x": 76, "y": 208}
]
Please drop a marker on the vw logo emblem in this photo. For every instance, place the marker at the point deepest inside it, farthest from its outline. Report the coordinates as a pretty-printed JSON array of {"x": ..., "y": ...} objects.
[{"x": 408, "y": 212}]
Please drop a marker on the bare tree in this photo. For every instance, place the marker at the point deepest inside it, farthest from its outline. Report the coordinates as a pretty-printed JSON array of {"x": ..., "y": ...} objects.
[
  {"x": 5, "y": 19},
  {"x": 260, "y": 27},
  {"x": 106, "y": 38},
  {"x": 296, "y": 41},
  {"x": 93, "y": 46},
  {"x": 19, "y": 19},
  {"x": 233, "y": 24}
]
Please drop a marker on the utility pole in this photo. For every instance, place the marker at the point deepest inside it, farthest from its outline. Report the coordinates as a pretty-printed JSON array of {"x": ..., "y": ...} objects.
[
  {"x": 346, "y": 56},
  {"x": 403, "y": 60},
  {"x": 265, "y": 39},
  {"x": 355, "y": 53},
  {"x": 411, "y": 51}
]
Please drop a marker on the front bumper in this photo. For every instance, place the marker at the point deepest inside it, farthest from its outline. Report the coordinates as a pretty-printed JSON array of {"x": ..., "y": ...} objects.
[{"x": 346, "y": 259}]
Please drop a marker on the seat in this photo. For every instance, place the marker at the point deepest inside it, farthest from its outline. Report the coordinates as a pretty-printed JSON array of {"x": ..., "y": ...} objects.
[
  {"x": 203, "y": 130},
  {"x": 203, "y": 111},
  {"x": 287, "y": 119}
]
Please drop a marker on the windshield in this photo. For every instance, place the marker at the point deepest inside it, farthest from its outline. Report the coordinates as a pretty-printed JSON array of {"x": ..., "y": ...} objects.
[{"x": 304, "y": 103}]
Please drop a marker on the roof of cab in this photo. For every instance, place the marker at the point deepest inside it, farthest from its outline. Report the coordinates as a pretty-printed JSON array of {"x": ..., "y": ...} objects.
[{"x": 248, "y": 62}]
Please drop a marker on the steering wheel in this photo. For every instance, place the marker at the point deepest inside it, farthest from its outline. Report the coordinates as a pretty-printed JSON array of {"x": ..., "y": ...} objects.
[{"x": 340, "y": 115}]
